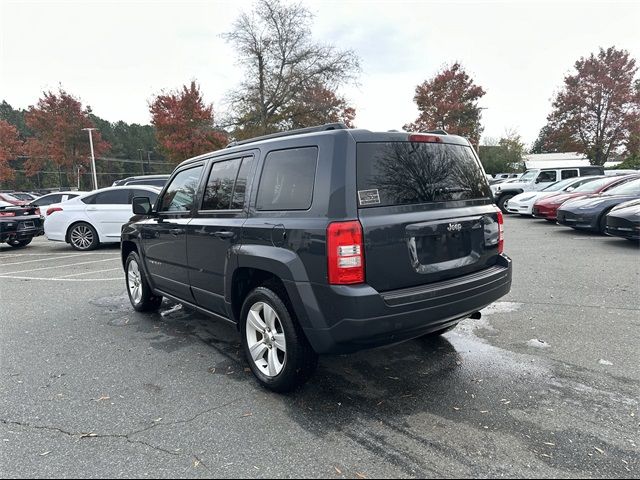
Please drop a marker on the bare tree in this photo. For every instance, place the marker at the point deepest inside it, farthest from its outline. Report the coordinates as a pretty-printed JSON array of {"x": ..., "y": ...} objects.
[{"x": 282, "y": 66}]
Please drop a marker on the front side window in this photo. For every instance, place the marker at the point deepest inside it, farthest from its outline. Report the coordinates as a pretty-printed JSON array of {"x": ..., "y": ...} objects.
[
  {"x": 181, "y": 193},
  {"x": 547, "y": 177},
  {"x": 287, "y": 179},
  {"x": 528, "y": 175}
]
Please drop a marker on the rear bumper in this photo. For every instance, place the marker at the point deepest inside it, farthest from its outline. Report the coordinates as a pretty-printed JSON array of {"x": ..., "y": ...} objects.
[
  {"x": 345, "y": 319},
  {"x": 16, "y": 230}
]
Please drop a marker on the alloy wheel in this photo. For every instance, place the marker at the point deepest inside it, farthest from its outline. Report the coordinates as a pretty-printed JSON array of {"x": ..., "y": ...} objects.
[
  {"x": 266, "y": 339},
  {"x": 134, "y": 282},
  {"x": 81, "y": 237}
]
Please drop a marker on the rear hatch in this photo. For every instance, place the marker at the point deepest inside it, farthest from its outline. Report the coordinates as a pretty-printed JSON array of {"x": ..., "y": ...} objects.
[{"x": 426, "y": 212}]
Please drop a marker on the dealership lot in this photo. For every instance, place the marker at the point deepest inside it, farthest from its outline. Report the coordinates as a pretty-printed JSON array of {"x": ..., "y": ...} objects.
[{"x": 545, "y": 384}]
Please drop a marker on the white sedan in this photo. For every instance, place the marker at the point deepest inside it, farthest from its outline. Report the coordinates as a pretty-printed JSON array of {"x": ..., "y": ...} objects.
[
  {"x": 94, "y": 218},
  {"x": 523, "y": 202}
]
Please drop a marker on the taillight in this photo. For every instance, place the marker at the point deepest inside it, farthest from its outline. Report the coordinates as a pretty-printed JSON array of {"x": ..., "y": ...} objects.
[
  {"x": 53, "y": 210},
  {"x": 424, "y": 138},
  {"x": 345, "y": 253},
  {"x": 500, "y": 232},
  {"x": 7, "y": 214}
]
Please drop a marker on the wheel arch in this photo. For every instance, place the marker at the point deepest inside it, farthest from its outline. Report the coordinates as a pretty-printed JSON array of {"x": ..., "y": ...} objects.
[{"x": 73, "y": 224}]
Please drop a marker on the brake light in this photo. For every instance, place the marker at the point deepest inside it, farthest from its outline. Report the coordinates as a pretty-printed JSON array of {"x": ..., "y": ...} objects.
[
  {"x": 7, "y": 214},
  {"x": 345, "y": 253},
  {"x": 424, "y": 138},
  {"x": 500, "y": 232},
  {"x": 53, "y": 210}
]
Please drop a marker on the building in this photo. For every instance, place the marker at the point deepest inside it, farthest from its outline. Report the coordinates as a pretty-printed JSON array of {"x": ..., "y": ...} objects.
[{"x": 560, "y": 159}]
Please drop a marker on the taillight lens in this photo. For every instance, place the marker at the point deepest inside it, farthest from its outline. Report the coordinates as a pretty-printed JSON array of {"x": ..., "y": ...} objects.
[
  {"x": 424, "y": 138},
  {"x": 7, "y": 214},
  {"x": 53, "y": 210},
  {"x": 500, "y": 232},
  {"x": 345, "y": 253}
]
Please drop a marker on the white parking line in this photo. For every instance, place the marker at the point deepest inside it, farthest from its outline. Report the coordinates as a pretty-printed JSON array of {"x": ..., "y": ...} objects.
[
  {"x": 44, "y": 259},
  {"x": 50, "y": 254},
  {"x": 91, "y": 271},
  {"x": 59, "y": 266},
  {"x": 63, "y": 279}
]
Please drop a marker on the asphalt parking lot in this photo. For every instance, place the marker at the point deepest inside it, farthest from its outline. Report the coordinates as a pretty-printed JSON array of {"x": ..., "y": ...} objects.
[{"x": 546, "y": 384}]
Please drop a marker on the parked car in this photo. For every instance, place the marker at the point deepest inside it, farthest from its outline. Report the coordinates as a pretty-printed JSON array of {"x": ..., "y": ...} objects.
[
  {"x": 501, "y": 183},
  {"x": 18, "y": 224},
  {"x": 8, "y": 198},
  {"x": 322, "y": 240},
  {"x": 536, "y": 179},
  {"x": 624, "y": 220},
  {"x": 149, "y": 180},
  {"x": 590, "y": 212},
  {"x": 523, "y": 202},
  {"x": 27, "y": 197},
  {"x": 57, "y": 197},
  {"x": 93, "y": 218},
  {"x": 547, "y": 208}
]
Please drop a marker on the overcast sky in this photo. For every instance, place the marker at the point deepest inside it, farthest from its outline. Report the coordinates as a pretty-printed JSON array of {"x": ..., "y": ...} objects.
[{"x": 115, "y": 55}]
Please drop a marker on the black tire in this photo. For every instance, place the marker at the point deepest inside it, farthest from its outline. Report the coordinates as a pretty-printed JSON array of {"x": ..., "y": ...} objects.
[
  {"x": 19, "y": 243},
  {"x": 142, "y": 300},
  {"x": 83, "y": 237},
  {"x": 602, "y": 222},
  {"x": 438, "y": 333},
  {"x": 502, "y": 200},
  {"x": 298, "y": 363}
]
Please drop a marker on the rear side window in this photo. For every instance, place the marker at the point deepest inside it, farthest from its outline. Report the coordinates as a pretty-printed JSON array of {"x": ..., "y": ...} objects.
[
  {"x": 110, "y": 197},
  {"x": 547, "y": 176},
  {"x": 568, "y": 174},
  {"x": 405, "y": 173},
  {"x": 287, "y": 179}
]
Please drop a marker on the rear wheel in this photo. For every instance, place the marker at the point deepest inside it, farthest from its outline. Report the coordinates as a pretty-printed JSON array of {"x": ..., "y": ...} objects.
[
  {"x": 502, "y": 200},
  {"x": 140, "y": 294},
  {"x": 84, "y": 237},
  {"x": 276, "y": 348},
  {"x": 19, "y": 243}
]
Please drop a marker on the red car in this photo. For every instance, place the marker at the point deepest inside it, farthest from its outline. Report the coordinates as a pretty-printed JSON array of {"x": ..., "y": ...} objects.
[
  {"x": 547, "y": 207},
  {"x": 5, "y": 197}
]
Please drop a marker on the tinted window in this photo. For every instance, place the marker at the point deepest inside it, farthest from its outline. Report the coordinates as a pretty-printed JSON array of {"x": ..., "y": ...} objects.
[
  {"x": 287, "y": 179},
  {"x": 217, "y": 195},
  {"x": 546, "y": 177},
  {"x": 627, "y": 188},
  {"x": 110, "y": 197},
  {"x": 181, "y": 193},
  {"x": 594, "y": 186},
  {"x": 403, "y": 173},
  {"x": 152, "y": 196},
  {"x": 48, "y": 200},
  {"x": 239, "y": 191},
  {"x": 568, "y": 174},
  {"x": 591, "y": 171}
]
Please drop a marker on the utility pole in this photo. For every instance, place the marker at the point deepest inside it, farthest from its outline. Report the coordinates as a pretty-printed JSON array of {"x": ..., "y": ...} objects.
[
  {"x": 93, "y": 158},
  {"x": 141, "y": 160}
]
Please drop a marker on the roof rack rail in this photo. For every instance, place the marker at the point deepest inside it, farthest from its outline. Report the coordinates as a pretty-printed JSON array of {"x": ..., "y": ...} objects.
[{"x": 299, "y": 131}]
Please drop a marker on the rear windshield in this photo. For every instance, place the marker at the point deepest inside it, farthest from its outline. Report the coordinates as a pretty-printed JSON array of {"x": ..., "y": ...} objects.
[{"x": 406, "y": 173}]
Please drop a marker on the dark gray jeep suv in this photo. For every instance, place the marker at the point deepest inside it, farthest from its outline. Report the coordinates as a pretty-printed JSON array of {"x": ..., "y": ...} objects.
[{"x": 322, "y": 240}]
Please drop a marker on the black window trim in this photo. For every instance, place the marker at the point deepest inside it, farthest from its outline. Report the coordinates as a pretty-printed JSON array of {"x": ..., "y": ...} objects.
[
  {"x": 168, "y": 184},
  {"x": 313, "y": 183},
  {"x": 239, "y": 156}
]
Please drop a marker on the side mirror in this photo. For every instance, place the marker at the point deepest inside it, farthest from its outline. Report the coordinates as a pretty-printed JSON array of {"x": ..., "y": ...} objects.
[
  {"x": 142, "y": 206},
  {"x": 570, "y": 189},
  {"x": 537, "y": 180}
]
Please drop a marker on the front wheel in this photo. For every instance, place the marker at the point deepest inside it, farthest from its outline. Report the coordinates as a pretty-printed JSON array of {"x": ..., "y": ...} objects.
[
  {"x": 502, "y": 202},
  {"x": 276, "y": 348},
  {"x": 140, "y": 295},
  {"x": 19, "y": 243}
]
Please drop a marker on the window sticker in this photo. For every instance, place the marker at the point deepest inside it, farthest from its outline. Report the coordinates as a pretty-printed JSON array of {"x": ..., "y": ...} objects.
[{"x": 369, "y": 197}]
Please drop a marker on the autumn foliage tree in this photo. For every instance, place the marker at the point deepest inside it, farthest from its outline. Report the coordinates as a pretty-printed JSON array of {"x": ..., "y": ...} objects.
[
  {"x": 10, "y": 147},
  {"x": 449, "y": 101},
  {"x": 290, "y": 80},
  {"x": 56, "y": 123},
  {"x": 597, "y": 106},
  {"x": 185, "y": 124}
]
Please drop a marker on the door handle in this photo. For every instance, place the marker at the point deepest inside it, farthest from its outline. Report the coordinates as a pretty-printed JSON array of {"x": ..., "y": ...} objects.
[
  {"x": 224, "y": 234},
  {"x": 176, "y": 231}
]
